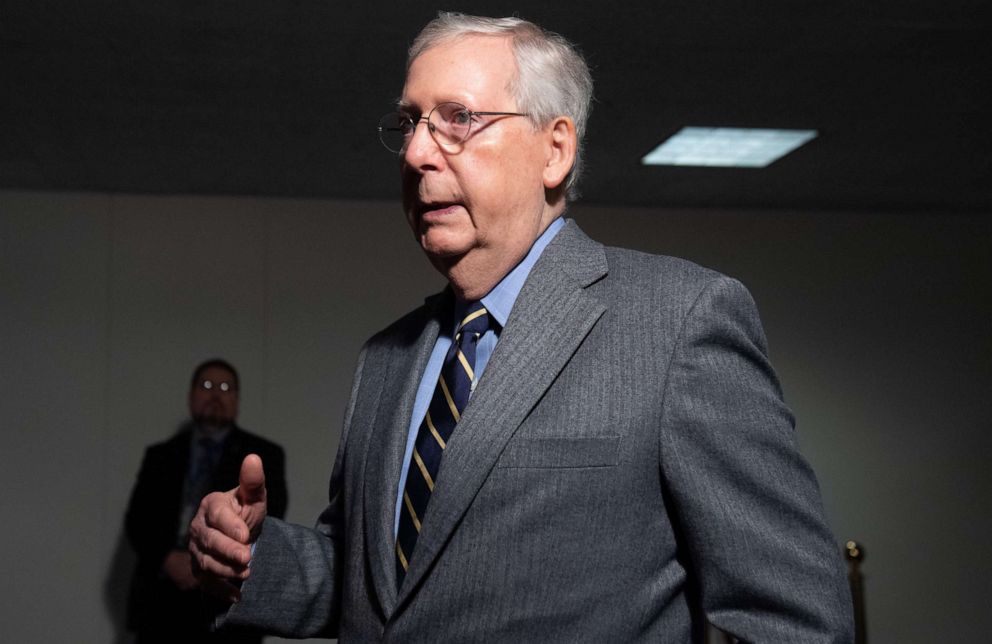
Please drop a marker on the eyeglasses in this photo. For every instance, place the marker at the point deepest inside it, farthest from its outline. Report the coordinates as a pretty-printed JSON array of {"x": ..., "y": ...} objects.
[
  {"x": 449, "y": 124},
  {"x": 223, "y": 385}
]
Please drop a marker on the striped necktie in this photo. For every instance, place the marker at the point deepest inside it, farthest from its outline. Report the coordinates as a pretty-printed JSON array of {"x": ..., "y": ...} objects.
[{"x": 451, "y": 395}]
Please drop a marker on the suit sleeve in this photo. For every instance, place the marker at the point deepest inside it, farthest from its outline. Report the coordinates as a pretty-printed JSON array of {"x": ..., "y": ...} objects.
[
  {"x": 294, "y": 589},
  {"x": 150, "y": 521},
  {"x": 747, "y": 505}
]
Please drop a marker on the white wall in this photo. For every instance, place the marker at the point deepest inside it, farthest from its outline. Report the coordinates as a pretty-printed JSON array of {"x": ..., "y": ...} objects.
[
  {"x": 878, "y": 325},
  {"x": 107, "y": 303}
]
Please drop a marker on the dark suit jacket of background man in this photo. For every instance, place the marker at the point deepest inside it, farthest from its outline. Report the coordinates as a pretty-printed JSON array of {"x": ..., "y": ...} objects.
[
  {"x": 152, "y": 521},
  {"x": 625, "y": 466}
]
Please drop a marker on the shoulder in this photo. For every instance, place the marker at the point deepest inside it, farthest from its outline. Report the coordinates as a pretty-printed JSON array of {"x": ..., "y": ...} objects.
[
  {"x": 407, "y": 329},
  {"x": 644, "y": 275},
  {"x": 676, "y": 293},
  {"x": 178, "y": 443},
  {"x": 627, "y": 272},
  {"x": 662, "y": 268}
]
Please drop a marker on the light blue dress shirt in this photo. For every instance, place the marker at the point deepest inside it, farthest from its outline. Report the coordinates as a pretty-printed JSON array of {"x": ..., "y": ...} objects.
[{"x": 498, "y": 302}]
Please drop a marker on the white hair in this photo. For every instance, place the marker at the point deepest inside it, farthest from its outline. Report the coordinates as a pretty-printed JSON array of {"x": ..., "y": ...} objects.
[{"x": 552, "y": 78}]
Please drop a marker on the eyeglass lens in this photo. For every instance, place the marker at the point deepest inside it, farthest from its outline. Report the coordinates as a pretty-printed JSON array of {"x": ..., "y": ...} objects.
[
  {"x": 223, "y": 385},
  {"x": 448, "y": 123}
]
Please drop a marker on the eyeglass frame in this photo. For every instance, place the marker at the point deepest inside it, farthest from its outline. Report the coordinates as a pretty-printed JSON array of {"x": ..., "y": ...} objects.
[
  {"x": 206, "y": 384},
  {"x": 414, "y": 122}
]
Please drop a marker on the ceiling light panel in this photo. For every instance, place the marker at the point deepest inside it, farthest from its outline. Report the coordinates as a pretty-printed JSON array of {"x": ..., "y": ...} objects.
[{"x": 727, "y": 147}]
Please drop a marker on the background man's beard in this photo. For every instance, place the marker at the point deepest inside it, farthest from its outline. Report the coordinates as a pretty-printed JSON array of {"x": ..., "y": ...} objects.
[{"x": 212, "y": 424}]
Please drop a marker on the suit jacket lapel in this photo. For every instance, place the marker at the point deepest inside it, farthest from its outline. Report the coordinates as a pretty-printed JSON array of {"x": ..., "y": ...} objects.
[
  {"x": 551, "y": 317},
  {"x": 387, "y": 445}
]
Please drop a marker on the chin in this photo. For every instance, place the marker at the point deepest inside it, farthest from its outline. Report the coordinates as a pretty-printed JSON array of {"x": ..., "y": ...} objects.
[{"x": 444, "y": 245}]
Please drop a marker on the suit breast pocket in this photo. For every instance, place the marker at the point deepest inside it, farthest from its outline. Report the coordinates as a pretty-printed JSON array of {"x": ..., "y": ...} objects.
[{"x": 596, "y": 451}]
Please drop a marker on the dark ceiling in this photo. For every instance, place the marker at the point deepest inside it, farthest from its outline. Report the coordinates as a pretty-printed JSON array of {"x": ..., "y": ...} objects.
[{"x": 281, "y": 97}]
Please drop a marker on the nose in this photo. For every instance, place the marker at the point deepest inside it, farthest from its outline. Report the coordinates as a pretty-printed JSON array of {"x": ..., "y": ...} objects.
[{"x": 422, "y": 151}]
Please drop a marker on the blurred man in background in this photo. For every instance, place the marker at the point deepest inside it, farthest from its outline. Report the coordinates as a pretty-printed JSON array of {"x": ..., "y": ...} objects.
[{"x": 204, "y": 456}]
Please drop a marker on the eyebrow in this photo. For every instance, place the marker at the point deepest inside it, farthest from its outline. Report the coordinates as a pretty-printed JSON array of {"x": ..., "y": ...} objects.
[{"x": 405, "y": 106}]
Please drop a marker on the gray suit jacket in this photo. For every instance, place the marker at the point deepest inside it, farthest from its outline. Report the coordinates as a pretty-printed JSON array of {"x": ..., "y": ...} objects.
[{"x": 625, "y": 469}]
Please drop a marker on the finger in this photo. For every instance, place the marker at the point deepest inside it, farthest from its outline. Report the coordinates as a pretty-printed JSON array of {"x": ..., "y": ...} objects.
[
  {"x": 218, "y": 555},
  {"x": 220, "y": 511},
  {"x": 219, "y": 587},
  {"x": 218, "y": 532},
  {"x": 251, "y": 481}
]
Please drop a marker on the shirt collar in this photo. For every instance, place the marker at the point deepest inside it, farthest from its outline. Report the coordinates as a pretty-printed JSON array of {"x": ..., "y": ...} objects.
[
  {"x": 215, "y": 437},
  {"x": 499, "y": 301}
]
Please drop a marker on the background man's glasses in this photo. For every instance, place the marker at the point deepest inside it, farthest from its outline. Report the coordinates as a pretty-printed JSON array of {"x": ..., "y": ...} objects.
[
  {"x": 449, "y": 123},
  {"x": 210, "y": 385}
]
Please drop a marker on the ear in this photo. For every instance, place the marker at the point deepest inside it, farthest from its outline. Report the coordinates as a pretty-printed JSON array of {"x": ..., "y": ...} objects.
[{"x": 561, "y": 152}]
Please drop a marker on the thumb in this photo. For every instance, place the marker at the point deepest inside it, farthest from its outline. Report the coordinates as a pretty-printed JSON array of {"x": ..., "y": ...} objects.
[{"x": 251, "y": 481}]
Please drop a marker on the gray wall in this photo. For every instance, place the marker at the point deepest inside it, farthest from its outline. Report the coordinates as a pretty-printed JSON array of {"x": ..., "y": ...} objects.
[{"x": 878, "y": 325}]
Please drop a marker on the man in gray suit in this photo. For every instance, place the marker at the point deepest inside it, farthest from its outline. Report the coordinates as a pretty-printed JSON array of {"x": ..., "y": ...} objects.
[{"x": 625, "y": 469}]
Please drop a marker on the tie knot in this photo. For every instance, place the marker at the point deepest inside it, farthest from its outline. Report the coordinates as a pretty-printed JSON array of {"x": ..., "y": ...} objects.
[{"x": 476, "y": 320}]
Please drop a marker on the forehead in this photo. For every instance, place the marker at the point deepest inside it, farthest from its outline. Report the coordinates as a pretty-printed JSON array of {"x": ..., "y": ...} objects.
[
  {"x": 215, "y": 374},
  {"x": 474, "y": 70}
]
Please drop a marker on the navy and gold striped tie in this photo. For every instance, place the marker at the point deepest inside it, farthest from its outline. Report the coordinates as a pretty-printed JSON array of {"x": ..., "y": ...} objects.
[{"x": 450, "y": 398}]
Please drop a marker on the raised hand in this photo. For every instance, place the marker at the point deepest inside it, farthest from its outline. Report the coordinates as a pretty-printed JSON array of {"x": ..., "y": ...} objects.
[{"x": 225, "y": 526}]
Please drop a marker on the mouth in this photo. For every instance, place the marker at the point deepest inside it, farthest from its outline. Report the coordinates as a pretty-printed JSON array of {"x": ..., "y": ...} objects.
[{"x": 434, "y": 212}]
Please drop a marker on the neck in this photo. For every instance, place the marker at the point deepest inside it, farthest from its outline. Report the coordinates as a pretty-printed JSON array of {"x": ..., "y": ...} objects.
[
  {"x": 472, "y": 280},
  {"x": 476, "y": 273},
  {"x": 210, "y": 430}
]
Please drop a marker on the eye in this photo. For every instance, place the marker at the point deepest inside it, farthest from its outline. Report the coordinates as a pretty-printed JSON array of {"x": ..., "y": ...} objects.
[
  {"x": 452, "y": 115},
  {"x": 461, "y": 118},
  {"x": 406, "y": 124}
]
